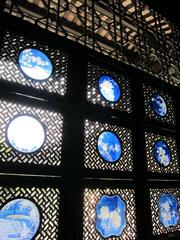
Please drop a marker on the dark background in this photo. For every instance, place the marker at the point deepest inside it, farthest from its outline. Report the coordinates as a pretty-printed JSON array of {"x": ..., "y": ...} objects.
[{"x": 168, "y": 8}]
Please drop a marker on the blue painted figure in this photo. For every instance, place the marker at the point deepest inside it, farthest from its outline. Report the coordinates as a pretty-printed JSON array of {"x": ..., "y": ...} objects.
[
  {"x": 25, "y": 134},
  {"x": 159, "y": 105},
  {"x": 35, "y": 64},
  {"x": 110, "y": 216},
  {"x": 162, "y": 153},
  {"x": 168, "y": 210},
  {"x": 109, "y": 88},
  {"x": 109, "y": 146},
  {"x": 19, "y": 220}
]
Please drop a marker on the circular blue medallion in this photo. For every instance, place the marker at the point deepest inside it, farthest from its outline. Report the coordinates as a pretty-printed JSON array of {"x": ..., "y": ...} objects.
[
  {"x": 25, "y": 134},
  {"x": 110, "y": 216},
  {"x": 19, "y": 219},
  {"x": 109, "y": 146},
  {"x": 168, "y": 210},
  {"x": 159, "y": 105},
  {"x": 109, "y": 88},
  {"x": 162, "y": 153},
  {"x": 35, "y": 64}
]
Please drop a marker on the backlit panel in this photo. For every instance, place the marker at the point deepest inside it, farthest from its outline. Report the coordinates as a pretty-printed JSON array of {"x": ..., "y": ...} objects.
[
  {"x": 12, "y": 46},
  {"x": 94, "y": 96},
  {"x": 157, "y": 224},
  {"x": 92, "y": 197},
  {"x": 169, "y": 117},
  {"x": 93, "y": 160},
  {"x": 50, "y": 152},
  {"x": 46, "y": 199},
  {"x": 152, "y": 164}
]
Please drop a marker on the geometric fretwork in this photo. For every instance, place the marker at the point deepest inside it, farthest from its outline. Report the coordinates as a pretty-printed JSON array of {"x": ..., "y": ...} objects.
[
  {"x": 47, "y": 200},
  {"x": 50, "y": 152},
  {"x": 93, "y": 95},
  {"x": 12, "y": 45},
  {"x": 157, "y": 226},
  {"x": 169, "y": 117},
  {"x": 92, "y": 158},
  {"x": 91, "y": 198},
  {"x": 152, "y": 165}
]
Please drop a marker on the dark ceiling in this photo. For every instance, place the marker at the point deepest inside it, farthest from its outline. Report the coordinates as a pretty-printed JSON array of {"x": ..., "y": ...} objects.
[{"x": 168, "y": 8}]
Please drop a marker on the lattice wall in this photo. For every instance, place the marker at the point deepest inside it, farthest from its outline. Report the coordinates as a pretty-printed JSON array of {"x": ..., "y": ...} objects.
[
  {"x": 126, "y": 30},
  {"x": 93, "y": 95},
  {"x": 50, "y": 152},
  {"x": 47, "y": 199},
  {"x": 10, "y": 71},
  {"x": 91, "y": 197},
  {"x": 93, "y": 160},
  {"x": 152, "y": 165},
  {"x": 158, "y": 228}
]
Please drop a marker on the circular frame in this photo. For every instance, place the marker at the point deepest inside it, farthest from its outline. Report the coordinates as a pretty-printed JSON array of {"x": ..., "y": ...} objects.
[
  {"x": 37, "y": 119},
  {"x": 153, "y": 107}
]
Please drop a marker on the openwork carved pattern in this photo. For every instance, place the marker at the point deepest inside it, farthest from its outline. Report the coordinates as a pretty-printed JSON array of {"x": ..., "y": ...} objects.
[
  {"x": 12, "y": 45},
  {"x": 150, "y": 113},
  {"x": 91, "y": 197},
  {"x": 126, "y": 30},
  {"x": 93, "y": 95},
  {"x": 152, "y": 165},
  {"x": 158, "y": 227},
  {"x": 50, "y": 152},
  {"x": 93, "y": 160},
  {"x": 47, "y": 199}
]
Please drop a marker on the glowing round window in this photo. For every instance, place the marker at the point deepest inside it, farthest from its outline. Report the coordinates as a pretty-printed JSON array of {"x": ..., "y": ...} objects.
[
  {"x": 19, "y": 219},
  {"x": 35, "y": 64},
  {"x": 159, "y": 105},
  {"x": 109, "y": 146},
  {"x": 162, "y": 153},
  {"x": 109, "y": 88},
  {"x": 25, "y": 134}
]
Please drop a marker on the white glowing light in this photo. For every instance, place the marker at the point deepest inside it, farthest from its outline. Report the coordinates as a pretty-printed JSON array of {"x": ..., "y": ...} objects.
[{"x": 25, "y": 134}]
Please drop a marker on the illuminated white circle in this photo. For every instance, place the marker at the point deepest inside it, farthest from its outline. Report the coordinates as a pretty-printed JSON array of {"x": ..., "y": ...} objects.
[{"x": 25, "y": 134}]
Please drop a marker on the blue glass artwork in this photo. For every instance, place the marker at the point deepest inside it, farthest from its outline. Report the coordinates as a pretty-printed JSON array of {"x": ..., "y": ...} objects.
[
  {"x": 19, "y": 220},
  {"x": 159, "y": 105},
  {"x": 35, "y": 64},
  {"x": 26, "y": 134},
  {"x": 162, "y": 153},
  {"x": 109, "y": 88},
  {"x": 109, "y": 146},
  {"x": 168, "y": 210},
  {"x": 110, "y": 216}
]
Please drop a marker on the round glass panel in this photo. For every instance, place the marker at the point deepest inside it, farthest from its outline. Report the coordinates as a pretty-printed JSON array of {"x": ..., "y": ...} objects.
[
  {"x": 168, "y": 210},
  {"x": 109, "y": 88},
  {"x": 110, "y": 216},
  {"x": 19, "y": 219},
  {"x": 159, "y": 105},
  {"x": 162, "y": 153},
  {"x": 35, "y": 64},
  {"x": 109, "y": 146},
  {"x": 26, "y": 134}
]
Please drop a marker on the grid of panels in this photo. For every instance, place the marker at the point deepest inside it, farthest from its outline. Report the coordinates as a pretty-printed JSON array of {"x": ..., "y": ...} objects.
[
  {"x": 50, "y": 152},
  {"x": 150, "y": 113},
  {"x": 93, "y": 95},
  {"x": 47, "y": 200},
  {"x": 158, "y": 228},
  {"x": 152, "y": 165},
  {"x": 126, "y": 30},
  {"x": 92, "y": 196},
  {"x": 10, "y": 71},
  {"x": 93, "y": 160}
]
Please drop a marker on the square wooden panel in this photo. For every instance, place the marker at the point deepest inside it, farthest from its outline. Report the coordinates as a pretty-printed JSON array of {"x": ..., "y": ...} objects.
[
  {"x": 50, "y": 151},
  {"x": 94, "y": 96},
  {"x": 92, "y": 197},
  {"x": 10, "y": 71}
]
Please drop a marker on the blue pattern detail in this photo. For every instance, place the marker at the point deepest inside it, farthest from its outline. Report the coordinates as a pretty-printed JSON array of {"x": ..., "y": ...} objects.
[{"x": 159, "y": 105}]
